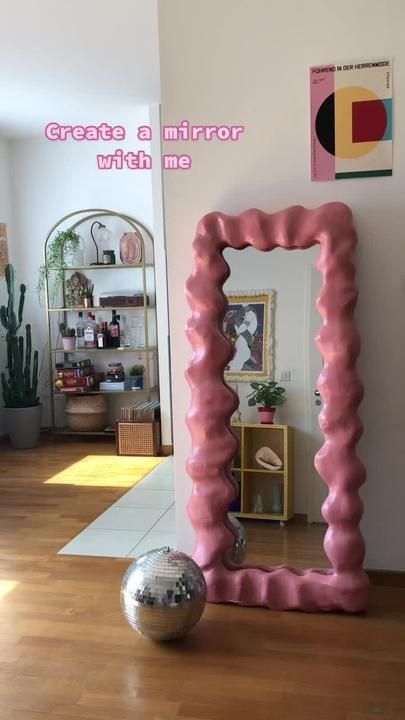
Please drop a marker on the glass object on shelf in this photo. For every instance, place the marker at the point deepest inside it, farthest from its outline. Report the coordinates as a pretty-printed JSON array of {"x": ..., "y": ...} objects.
[
  {"x": 90, "y": 332},
  {"x": 258, "y": 506},
  {"x": 114, "y": 331},
  {"x": 277, "y": 499},
  {"x": 74, "y": 255},
  {"x": 103, "y": 239},
  {"x": 80, "y": 326},
  {"x": 137, "y": 333}
]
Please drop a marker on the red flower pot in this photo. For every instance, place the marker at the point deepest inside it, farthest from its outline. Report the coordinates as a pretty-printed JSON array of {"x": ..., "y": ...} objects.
[{"x": 266, "y": 415}]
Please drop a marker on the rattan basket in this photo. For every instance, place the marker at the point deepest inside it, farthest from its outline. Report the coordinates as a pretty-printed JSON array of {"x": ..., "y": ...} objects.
[
  {"x": 86, "y": 413},
  {"x": 137, "y": 438}
]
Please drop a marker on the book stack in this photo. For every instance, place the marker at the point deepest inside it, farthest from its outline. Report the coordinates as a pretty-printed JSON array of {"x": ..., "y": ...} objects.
[
  {"x": 76, "y": 377},
  {"x": 141, "y": 412}
]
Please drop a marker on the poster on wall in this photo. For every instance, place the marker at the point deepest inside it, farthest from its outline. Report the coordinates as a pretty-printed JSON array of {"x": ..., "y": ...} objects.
[
  {"x": 3, "y": 249},
  {"x": 351, "y": 119},
  {"x": 248, "y": 325}
]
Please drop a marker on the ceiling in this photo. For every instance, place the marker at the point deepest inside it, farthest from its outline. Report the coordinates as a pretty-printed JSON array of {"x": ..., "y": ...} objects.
[{"x": 75, "y": 62}]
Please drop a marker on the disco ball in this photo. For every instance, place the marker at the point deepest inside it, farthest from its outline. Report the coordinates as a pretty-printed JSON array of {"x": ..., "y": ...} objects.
[
  {"x": 163, "y": 594},
  {"x": 238, "y": 550}
]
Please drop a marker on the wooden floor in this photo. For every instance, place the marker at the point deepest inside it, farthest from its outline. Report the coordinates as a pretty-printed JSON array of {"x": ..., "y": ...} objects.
[{"x": 66, "y": 652}]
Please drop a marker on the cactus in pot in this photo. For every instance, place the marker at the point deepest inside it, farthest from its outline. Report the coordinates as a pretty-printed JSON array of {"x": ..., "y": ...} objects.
[
  {"x": 20, "y": 380},
  {"x": 68, "y": 337}
]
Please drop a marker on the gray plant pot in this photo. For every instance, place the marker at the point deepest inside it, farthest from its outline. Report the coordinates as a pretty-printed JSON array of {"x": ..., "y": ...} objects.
[{"x": 24, "y": 426}]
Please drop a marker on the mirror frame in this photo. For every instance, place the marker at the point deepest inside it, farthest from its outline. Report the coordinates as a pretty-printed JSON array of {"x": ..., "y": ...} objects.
[{"x": 345, "y": 586}]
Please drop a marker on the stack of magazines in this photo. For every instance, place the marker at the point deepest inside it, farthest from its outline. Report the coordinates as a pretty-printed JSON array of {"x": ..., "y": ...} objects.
[{"x": 147, "y": 412}]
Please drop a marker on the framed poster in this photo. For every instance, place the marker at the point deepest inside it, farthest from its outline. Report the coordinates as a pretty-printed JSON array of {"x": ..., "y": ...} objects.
[
  {"x": 351, "y": 119},
  {"x": 3, "y": 249},
  {"x": 248, "y": 325}
]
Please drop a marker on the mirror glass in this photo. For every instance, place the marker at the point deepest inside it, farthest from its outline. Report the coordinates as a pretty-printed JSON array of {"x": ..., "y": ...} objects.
[{"x": 272, "y": 321}]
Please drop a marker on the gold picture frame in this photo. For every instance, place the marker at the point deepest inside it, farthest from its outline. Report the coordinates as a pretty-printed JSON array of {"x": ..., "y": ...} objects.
[{"x": 249, "y": 326}]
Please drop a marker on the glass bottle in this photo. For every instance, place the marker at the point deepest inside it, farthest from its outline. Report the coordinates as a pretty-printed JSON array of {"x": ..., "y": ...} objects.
[
  {"x": 136, "y": 333},
  {"x": 90, "y": 335},
  {"x": 80, "y": 325},
  {"x": 114, "y": 331},
  {"x": 101, "y": 337}
]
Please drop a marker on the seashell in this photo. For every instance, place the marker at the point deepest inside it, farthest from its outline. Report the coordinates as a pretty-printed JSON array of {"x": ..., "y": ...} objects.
[{"x": 267, "y": 458}]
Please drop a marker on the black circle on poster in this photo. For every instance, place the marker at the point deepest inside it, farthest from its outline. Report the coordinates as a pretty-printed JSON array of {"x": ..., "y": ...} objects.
[{"x": 325, "y": 124}]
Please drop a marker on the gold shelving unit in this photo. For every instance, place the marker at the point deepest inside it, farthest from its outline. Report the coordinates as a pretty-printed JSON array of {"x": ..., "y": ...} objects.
[
  {"x": 253, "y": 479},
  {"x": 74, "y": 220}
]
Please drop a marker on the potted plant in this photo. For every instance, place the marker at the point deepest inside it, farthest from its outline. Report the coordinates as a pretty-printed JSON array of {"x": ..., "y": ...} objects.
[
  {"x": 267, "y": 395},
  {"x": 20, "y": 382},
  {"x": 68, "y": 337},
  {"x": 136, "y": 373},
  {"x": 61, "y": 252},
  {"x": 87, "y": 296}
]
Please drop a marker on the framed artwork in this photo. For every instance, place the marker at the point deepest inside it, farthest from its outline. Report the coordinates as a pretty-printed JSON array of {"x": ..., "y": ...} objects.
[
  {"x": 248, "y": 325},
  {"x": 351, "y": 119},
  {"x": 3, "y": 249}
]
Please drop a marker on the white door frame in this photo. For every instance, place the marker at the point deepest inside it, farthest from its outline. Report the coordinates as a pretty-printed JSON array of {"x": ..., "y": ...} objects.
[{"x": 313, "y": 503}]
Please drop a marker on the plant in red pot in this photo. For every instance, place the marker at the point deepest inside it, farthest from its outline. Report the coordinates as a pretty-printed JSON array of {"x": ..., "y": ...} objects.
[{"x": 267, "y": 395}]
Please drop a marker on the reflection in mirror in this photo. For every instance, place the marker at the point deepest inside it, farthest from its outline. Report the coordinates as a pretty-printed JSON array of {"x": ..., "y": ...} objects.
[{"x": 272, "y": 322}]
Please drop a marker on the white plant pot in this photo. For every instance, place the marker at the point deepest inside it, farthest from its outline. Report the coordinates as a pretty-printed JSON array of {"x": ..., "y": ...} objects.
[{"x": 69, "y": 343}]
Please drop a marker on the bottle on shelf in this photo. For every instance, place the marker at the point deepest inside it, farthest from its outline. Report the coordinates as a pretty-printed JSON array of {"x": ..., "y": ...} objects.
[
  {"x": 80, "y": 325},
  {"x": 90, "y": 333},
  {"x": 114, "y": 331},
  {"x": 102, "y": 336},
  {"x": 136, "y": 333}
]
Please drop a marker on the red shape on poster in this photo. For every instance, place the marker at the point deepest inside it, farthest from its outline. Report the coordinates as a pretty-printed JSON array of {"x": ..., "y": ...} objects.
[{"x": 369, "y": 121}]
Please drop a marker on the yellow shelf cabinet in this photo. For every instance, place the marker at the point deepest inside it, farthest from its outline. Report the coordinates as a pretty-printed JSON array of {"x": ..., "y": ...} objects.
[{"x": 254, "y": 480}]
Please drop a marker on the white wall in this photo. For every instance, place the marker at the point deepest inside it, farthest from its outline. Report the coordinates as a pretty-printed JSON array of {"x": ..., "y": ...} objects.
[
  {"x": 247, "y": 63},
  {"x": 68, "y": 60},
  {"x": 287, "y": 274},
  {"x": 51, "y": 179},
  {"x": 5, "y": 216}
]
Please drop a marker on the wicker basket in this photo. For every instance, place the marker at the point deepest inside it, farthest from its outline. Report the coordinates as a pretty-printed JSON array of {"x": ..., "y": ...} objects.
[
  {"x": 137, "y": 438},
  {"x": 86, "y": 413}
]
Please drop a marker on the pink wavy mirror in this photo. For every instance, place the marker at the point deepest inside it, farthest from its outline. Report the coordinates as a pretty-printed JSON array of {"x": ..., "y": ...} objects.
[{"x": 345, "y": 585}]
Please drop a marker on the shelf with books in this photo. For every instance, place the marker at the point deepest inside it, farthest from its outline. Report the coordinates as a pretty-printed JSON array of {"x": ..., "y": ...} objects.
[{"x": 134, "y": 393}]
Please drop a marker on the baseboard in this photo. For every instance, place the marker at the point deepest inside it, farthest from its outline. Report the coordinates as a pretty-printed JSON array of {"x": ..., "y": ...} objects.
[
  {"x": 166, "y": 450},
  {"x": 388, "y": 578}
]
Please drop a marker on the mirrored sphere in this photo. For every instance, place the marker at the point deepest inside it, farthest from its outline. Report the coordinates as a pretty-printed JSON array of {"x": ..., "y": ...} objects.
[
  {"x": 163, "y": 594},
  {"x": 238, "y": 551}
]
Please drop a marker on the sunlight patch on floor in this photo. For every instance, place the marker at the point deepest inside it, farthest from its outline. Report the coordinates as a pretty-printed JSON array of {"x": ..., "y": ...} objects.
[
  {"x": 105, "y": 471},
  {"x": 7, "y": 586}
]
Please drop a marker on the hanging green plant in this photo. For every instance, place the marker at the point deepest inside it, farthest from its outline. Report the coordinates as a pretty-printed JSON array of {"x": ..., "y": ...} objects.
[{"x": 65, "y": 242}]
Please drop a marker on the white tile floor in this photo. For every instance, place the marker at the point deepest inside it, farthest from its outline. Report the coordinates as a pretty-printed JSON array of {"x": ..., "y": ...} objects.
[{"x": 141, "y": 520}]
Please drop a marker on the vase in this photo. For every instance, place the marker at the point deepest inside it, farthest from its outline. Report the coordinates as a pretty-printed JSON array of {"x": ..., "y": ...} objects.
[
  {"x": 74, "y": 255},
  {"x": 137, "y": 381},
  {"x": 277, "y": 500},
  {"x": 69, "y": 343},
  {"x": 266, "y": 415},
  {"x": 88, "y": 302}
]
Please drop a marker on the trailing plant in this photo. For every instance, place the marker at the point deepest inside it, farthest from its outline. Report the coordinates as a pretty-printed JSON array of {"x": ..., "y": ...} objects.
[
  {"x": 55, "y": 265},
  {"x": 266, "y": 394},
  {"x": 66, "y": 331},
  {"x": 20, "y": 385},
  {"x": 136, "y": 370}
]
